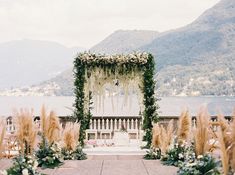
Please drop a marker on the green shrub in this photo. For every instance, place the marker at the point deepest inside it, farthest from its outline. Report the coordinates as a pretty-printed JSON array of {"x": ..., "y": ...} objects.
[
  {"x": 202, "y": 165},
  {"x": 49, "y": 155},
  {"x": 78, "y": 154},
  {"x": 23, "y": 165},
  {"x": 153, "y": 154}
]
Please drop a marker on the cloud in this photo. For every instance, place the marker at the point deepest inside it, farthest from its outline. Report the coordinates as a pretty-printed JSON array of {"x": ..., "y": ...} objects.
[{"x": 86, "y": 22}]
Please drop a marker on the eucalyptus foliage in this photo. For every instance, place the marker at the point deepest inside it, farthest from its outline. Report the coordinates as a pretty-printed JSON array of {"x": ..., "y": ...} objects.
[
  {"x": 49, "y": 155},
  {"x": 205, "y": 164},
  {"x": 76, "y": 154},
  {"x": 23, "y": 165},
  {"x": 93, "y": 71},
  {"x": 153, "y": 154}
]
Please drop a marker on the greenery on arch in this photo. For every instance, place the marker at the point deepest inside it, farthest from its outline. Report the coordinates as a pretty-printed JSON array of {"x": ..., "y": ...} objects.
[{"x": 93, "y": 71}]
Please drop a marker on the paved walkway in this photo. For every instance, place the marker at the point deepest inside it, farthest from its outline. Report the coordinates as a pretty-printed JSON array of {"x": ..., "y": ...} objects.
[{"x": 108, "y": 165}]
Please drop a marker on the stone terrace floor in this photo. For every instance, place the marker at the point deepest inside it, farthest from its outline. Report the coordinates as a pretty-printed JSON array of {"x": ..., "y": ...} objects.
[{"x": 107, "y": 165}]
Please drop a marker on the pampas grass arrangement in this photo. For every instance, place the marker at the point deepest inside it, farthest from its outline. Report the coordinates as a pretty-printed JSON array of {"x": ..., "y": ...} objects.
[
  {"x": 50, "y": 126},
  {"x": 163, "y": 137},
  {"x": 156, "y": 138},
  {"x": 155, "y": 151},
  {"x": 72, "y": 150},
  {"x": 43, "y": 119},
  {"x": 161, "y": 140},
  {"x": 2, "y": 134},
  {"x": 224, "y": 151},
  {"x": 184, "y": 127},
  {"x": 26, "y": 132},
  {"x": 69, "y": 141},
  {"x": 202, "y": 133},
  {"x": 25, "y": 163},
  {"x": 53, "y": 128},
  {"x": 49, "y": 153},
  {"x": 226, "y": 138},
  {"x": 232, "y": 149},
  {"x": 170, "y": 132}
]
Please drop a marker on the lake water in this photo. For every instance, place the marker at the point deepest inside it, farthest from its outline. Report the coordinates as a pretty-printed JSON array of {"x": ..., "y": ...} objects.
[{"x": 169, "y": 106}]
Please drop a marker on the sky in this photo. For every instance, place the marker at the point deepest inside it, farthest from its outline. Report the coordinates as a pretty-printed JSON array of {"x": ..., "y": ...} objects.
[{"x": 84, "y": 23}]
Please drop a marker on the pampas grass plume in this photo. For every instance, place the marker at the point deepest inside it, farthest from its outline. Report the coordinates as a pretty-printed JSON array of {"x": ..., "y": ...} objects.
[
  {"x": 233, "y": 143},
  {"x": 184, "y": 127},
  {"x": 163, "y": 140},
  {"x": 53, "y": 130},
  {"x": 224, "y": 151},
  {"x": 170, "y": 132},
  {"x": 156, "y": 131},
  {"x": 43, "y": 120},
  {"x": 69, "y": 139},
  {"x": 202, "y": 133},
  {"x": 26, "y": 132},
  {"x": 2, "y": 134}
]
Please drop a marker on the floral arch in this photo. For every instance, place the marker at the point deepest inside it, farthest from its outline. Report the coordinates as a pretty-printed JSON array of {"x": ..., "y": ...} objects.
[{"x": 95, "y": 72}]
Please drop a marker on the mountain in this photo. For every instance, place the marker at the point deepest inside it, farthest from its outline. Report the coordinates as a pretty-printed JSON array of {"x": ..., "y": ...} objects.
[
  {"x": 27, "y": 62},
  {"x": 121, "y": 41},
  {"x": 197, "y": 59},
  {"x": 124, "y": 41},
  {"x": 212, "y": 34}
]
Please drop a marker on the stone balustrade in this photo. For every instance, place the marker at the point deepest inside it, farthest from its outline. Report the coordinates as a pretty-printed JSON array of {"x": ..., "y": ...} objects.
[
  {"x": 108, "y": 125},
  {"x": 100, "y": 126}
]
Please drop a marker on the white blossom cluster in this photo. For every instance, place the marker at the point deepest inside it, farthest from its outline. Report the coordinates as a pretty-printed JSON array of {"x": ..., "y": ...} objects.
[
  {"x": 29, "y": 163},
  {"x": 136, "y": 57}
]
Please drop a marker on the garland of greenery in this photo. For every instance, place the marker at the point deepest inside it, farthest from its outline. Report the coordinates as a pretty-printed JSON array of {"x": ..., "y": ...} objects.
[
  {"x": 115, "y": 66},
  {"x": 150, "y": 111},
  {"x": 79, "y": 73}
]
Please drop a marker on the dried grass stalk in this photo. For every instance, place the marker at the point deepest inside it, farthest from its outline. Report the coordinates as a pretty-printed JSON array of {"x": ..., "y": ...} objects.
[
  {"x": 71, "y": 136},
  {"x": 225, "y": 128},
  {"x": 224, "y": 151},
  {"x": 43, "y": 119},
  {"x": 223, "y": 123},
  {"x": 156, "y": 138},
  {"x": 170, "y": 132},
  {"x": 69, "y": 139},
  {"x": 201, "y": 136},
  {"x": 26, "y": 132},
  {"x": 184, "y": 127},
  {"x": 232, "y": 151},
  {"x": 76, "y": 128},
  {"x": 233, "y": 158},
  {"x": 53, "y": 130},
  {"x": 162, "y": 137},
  {"x": 2, "y": 134},
  {"x": 163, "y": 140}
]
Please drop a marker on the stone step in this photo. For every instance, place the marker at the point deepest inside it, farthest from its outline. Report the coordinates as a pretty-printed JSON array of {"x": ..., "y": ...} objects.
[
  {"x": 115, "y": 151},
  {"x": 115, "y": 157}
]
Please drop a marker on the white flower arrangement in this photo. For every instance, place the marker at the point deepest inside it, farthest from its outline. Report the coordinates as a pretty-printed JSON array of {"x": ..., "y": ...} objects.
[
  {"x": 136, "y": 57},
  {"x": 49, "y": 156},
  {"x": 23, "y": 164},
  {"x": 102, "y": 76},
  {"x": 3, "y": 172},
  {"x": 25, "y": 172},
  {"x": 204, "y": 164}
]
